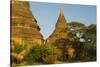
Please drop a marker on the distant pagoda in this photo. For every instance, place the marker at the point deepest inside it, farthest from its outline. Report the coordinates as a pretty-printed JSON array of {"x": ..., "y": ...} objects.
[
  {"x": 60, "y": 31},
  {"x": 24, "y": 27},
  {"x": 61, "y": 39}
]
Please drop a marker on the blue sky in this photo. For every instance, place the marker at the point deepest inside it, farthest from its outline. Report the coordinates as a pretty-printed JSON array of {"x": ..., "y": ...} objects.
[{"x": 47, "y": 14}]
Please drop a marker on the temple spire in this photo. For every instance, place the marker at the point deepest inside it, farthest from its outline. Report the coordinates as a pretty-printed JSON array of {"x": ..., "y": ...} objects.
[
  {"x": 61, "y": 22},
  {"x": 60, "y": 29},
  {"x": 61, "y": 12}
]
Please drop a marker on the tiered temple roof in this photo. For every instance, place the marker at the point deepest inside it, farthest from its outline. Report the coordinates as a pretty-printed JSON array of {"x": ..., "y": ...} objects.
[
  {"x": 60, "y": 29},
  {"x": 23, "y": 24}
]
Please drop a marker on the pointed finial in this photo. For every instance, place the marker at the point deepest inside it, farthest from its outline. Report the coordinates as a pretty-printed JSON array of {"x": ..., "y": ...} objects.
[{"x": 61, "y": 11}]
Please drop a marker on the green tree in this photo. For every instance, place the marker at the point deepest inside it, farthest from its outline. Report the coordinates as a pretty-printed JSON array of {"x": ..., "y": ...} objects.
[
  {"x": 90, "y": 43},
  {"x": 17, "y": 52},
  {"x": 84, "y": 40},
  {"x": 42, "y": 54}
]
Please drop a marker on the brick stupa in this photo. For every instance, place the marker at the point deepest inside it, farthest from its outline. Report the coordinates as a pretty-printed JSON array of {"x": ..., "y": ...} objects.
[
  {"x": 24, "y": 27},
  {"x": 60, "y": 31}
]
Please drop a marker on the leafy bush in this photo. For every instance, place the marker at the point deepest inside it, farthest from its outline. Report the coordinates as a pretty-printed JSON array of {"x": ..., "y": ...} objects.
[{"x": 43, "y": 54}]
